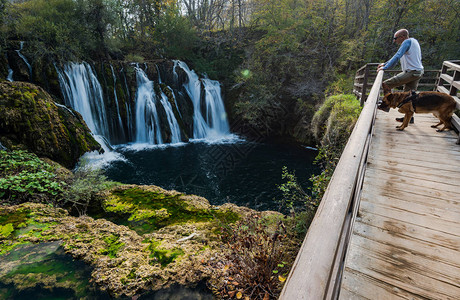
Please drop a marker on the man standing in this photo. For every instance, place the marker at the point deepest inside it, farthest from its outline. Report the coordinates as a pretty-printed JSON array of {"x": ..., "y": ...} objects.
[{"x": 410, "y": 56}]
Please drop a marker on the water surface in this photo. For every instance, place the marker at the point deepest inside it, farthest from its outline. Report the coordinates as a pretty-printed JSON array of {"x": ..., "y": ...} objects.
[{"x": 244, "y": 173}]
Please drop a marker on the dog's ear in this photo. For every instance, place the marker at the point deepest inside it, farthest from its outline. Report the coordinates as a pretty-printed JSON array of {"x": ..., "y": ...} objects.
[{"x": 386, "y": 88}]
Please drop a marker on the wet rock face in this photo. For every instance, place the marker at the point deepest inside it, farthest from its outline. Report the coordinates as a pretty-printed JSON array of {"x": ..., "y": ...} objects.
[{"x": 31, "y": 120}]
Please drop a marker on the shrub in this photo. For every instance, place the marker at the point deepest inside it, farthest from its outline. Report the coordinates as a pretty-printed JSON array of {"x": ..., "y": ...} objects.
[
  {"x": 333, "y": 123},
  {"x": 84, "y": 189},
  {"x": 24, "y": 177},
  {"x": 255, "y": 267}
]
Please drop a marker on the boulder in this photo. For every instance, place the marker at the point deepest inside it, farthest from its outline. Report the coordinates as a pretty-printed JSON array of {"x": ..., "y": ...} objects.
[{"x": 31, "y": 120}]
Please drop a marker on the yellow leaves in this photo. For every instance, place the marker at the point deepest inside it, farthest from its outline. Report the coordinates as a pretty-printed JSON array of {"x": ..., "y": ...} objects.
[
  {"x": 281, "y": 278},
  {"x": 239, "y": 295}
]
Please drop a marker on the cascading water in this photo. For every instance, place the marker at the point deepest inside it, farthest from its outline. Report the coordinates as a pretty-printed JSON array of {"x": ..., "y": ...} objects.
[
  {"x": 24, "y": 59},
  {"x": 10, "y": 71},
  {"x": 83, "y": 92},
  {"x": 173, "y": 125},
  {"x": 175, "y": 100},
  {"x": 216, "y": 116},
  {"x": 215, "y": 122},
  {"x": 147, "y": 121},
  {"x": 193, "y": 88}
]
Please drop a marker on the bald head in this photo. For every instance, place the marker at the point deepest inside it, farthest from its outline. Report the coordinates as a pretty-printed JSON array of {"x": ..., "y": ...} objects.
[
  {"x": 400, "y": 36},
  {"x": 403, "y": 33}
]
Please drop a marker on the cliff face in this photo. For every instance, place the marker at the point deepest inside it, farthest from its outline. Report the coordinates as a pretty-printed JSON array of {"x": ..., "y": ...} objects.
[{"x": 31, "y": 120}]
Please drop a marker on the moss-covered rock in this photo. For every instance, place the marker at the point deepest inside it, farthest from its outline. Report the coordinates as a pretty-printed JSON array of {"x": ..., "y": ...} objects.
[
  {"x": 125, "y": 262},
  {"x": 31, "y": 120}
]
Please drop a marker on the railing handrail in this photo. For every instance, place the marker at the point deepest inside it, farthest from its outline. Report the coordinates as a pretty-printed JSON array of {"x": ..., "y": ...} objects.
[{"x": 316, "y": 273}]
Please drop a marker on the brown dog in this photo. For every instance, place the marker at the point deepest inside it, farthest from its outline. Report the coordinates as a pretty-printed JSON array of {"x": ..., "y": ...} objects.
[{"x": 441, "y": 105}]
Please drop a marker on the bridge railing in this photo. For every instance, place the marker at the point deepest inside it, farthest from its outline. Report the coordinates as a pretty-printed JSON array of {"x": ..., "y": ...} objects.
[
  {"x": 365, "y": 77},
  {"x": 317, "y": 270},
  {"x": 449, "y": 82}
]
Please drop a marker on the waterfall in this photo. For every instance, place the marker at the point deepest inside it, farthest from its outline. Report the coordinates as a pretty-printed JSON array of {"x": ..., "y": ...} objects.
[
  {"x": 216, "y": 117},
  {"x": 82, "y": 92},
  {"x": 214, "y": 122},
  {"x": 147, "y": 121},
  {"x": 175, "y": 100},
  {"x": 10, "y": 74},
  {"x": 173, "y": 125},
  {"x": 120, "y": 123},
  {"x": 193, "y": 88},
  {"x": 25, "y": 60},
  {"x": 10, "y": 71}
]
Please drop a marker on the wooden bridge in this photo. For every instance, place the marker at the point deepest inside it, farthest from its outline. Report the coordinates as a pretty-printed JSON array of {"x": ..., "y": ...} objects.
[{"x": 388, "y": 226}]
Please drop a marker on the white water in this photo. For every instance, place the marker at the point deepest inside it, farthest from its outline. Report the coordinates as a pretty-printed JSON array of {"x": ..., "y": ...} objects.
[
  {"x": 173, "y": 125},
  {"x": 147, "y": 121},
  {"x": 10, "y": 74},
  {"x": 83, "y": 93},
  {"x": 216, "y": 117},
  {"x": 175, "y": 100},
  {"x": 193, "y": 88},
  {"x": 96, "y": 160},
  {"x": 10, "y": 71},
  {"x": 24, "y": 59}
]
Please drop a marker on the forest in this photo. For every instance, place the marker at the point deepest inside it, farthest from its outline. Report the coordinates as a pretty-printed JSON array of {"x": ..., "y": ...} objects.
[
  {"x": 269, "y": 54},
  {"x": 285, "y": 70}
]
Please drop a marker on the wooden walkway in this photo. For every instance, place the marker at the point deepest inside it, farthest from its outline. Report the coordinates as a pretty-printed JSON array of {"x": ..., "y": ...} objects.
[{"x": 405, "y": 241}]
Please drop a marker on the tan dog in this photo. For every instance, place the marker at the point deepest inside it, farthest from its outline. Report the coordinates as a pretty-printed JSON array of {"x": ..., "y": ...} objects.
[{"x": 441, "y": 105}]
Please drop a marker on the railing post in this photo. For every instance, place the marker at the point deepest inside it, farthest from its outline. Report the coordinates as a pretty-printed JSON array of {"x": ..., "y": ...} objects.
[{"x": 364, "y": 90}]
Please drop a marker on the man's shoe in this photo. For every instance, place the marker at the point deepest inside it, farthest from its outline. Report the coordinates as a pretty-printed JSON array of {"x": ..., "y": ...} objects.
[{"x": 402, "y": 119}]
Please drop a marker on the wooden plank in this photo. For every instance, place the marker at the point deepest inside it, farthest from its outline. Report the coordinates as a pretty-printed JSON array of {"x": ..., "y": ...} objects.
[
  {"x": 443, "y": 89},
  {"x": 457, "y": 100},
  {"x": 385, "y": 265},
  {"x": 407, "y": 253},
  {"x": 456, "y": 122},
  {"x": 452, "y": 65},
  {"x": 396, "y": 202},
  {"x": 357, "y": 285},
  {"x": 421, "y": 190},
  {"x": 411, "y": 217},
  {"x": 434, "y": 244},
  {"x": 447, "y": 78},
  {"x": 413, "y": 180},
  {"x": 398, "y": 165},
  {"x": 456, "y": 84}
]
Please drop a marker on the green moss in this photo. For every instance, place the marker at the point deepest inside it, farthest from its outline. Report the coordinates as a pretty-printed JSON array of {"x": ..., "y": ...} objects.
[
  {"x": 145, "y": 211},
  {"x": 163, "y": 256},
  {"x": 6, "y": 230},
  {"x": 113, "y": 246},
  {"x": 17, "y": 218}
]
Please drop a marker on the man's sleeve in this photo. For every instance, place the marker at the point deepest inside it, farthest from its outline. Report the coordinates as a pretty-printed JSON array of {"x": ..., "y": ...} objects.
[{"x": 402, "y": 49}]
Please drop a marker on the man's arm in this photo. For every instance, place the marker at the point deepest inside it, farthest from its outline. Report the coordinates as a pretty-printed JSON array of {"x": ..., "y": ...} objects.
[{"x": 403, "y": 49}]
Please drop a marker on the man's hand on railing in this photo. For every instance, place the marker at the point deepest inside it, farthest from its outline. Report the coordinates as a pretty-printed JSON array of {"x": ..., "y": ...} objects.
[{"x": 380, "y": 67}]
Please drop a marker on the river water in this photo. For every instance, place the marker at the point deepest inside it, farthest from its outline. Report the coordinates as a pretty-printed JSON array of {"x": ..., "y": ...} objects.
[{"x": 239, "y": 172}]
